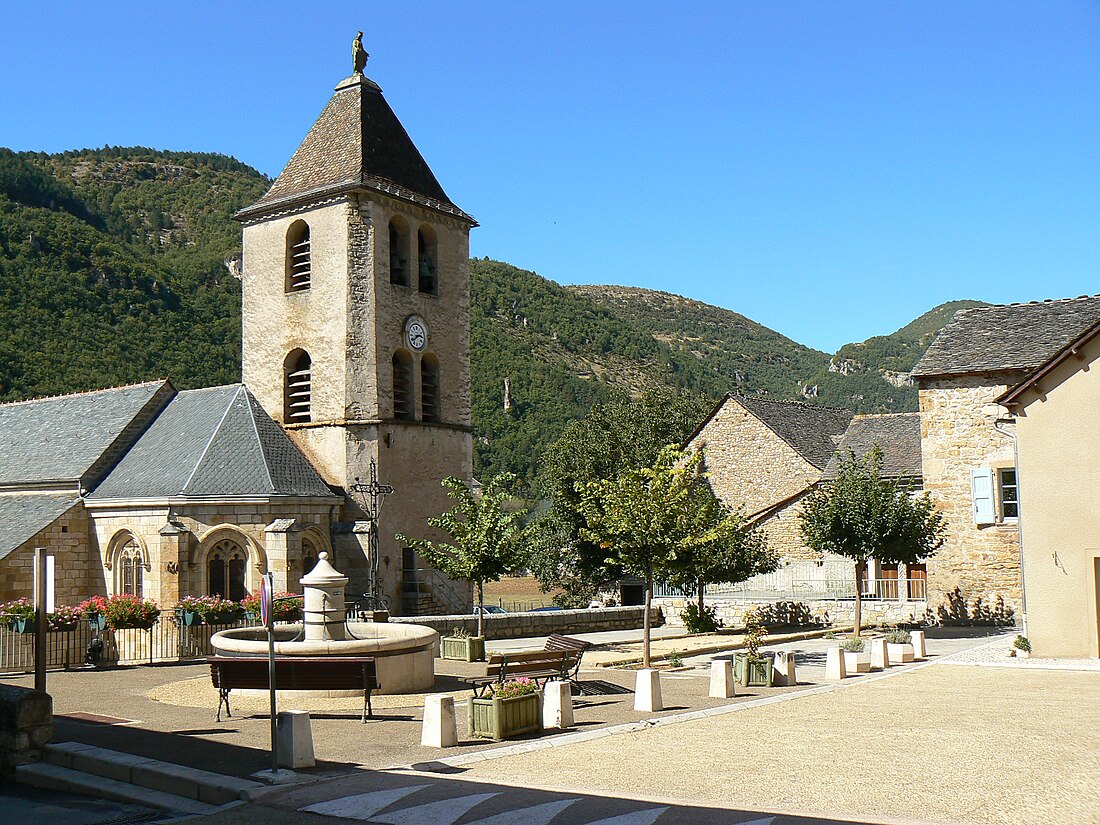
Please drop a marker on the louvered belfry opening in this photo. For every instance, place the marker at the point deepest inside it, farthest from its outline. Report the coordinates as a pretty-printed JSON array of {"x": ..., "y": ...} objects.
[
  {"x": 399, "y": 255},
  {"x": 427, "y": 256},
  {"x": 299, "y": 388},
  {"x": 402, "y": 386},
  {"x": 299, "y": 265},
  {"x": 429, "y": 387}
]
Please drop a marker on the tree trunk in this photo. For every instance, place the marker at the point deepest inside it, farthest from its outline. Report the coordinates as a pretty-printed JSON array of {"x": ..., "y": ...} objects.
[
  {"x": 861, "y": 569},
  {"x": 701, "y": 586},
  {"x": 480, "y": 609},
  {"x": 645, "y": 619}
]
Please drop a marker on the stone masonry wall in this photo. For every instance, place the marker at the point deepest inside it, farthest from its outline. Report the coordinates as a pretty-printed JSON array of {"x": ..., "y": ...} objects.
[
  {"x": 957, "y": 436},
  {"x": 26, "y": 725},
  {"x": 829, "y": 612},
  {"x": 76, "y": 569},
  {"x": 542, "y": 623}
]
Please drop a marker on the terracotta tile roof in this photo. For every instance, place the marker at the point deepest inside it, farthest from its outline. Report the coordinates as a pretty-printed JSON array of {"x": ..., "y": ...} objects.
[
  {"x": 357, "y": 142},
  {"x": 1007, "y": 337},
  {"x": 897, "y": 435}
]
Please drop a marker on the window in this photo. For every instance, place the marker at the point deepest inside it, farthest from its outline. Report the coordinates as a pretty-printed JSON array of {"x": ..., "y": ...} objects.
[
  {"x": 429, "y": 388},
  {"x": 131, "y": 569},
  {"x": 227, "y": 571},
  {"x": 399, "y": 256},
  {"x": 402, "y": 386},
  {"x": 1009, "y": 493},
  {"x": 299, "y": 268},
  {"x": 427, "y": 260},
  {"x": 298, "y": 383},
  {"x": 981, "y": 491}
]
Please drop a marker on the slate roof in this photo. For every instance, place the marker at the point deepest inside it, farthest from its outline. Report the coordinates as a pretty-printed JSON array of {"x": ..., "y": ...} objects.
[
  {"x": 897, "y": 435},
  {"x": 1007, "y": 337},
  {"x": 356, "y": 142},
  {"x": 216, "y": 442},
  {"x": 74, "y": 438},
  {"x": 812, "y": 430},
  {"x": 22, "y": 516}
]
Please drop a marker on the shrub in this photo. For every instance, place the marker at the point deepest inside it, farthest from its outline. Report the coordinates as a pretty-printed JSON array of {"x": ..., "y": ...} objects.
[
  {"x": 852, "y": 644},
  {"x": 788, "y": 614},
  {"x": 897, "y": 637},
  {"x": 511, "y": 688},
  {"x": 706, "y": 621},
  {"x": 1022, "y": 643},
  {"x": 754, "y": 632},
  {"x": 674, "y": 659}
]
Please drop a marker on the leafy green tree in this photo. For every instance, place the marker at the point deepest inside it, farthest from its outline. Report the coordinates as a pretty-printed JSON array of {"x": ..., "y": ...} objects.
[
  {"x": 862, "y": 516},
  {"x": 654, "y": 521},
  {"x": 487, "y": 536},
  {"x": 617, "y": 436}
]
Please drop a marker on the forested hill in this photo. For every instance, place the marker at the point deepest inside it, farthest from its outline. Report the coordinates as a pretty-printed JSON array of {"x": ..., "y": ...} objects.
[{"x": 113, "y": 269}]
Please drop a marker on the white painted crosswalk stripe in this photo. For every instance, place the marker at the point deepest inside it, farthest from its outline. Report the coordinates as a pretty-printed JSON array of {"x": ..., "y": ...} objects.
[
  {"x": 646, "y": 817},
  {"x": 444, "y": 812},
  {"x": 535, "y": 815},
  {"x": 364, "y": 805}
]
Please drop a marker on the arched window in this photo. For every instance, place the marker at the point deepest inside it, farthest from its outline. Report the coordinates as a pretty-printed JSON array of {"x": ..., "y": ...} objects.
[
  {"x": 227, "y": 570},
  {"x": 399, "y": 252},
  {"x": 402, "y": 386},
  {"x": 298, "y": 383},
  {"x": 130, "y": 566},
  {"x": 429, "y": 387},
  {"x": 309, "y": 556},
  {"x": 427, "y": 260},
  {"x": 299, "y": 266}
]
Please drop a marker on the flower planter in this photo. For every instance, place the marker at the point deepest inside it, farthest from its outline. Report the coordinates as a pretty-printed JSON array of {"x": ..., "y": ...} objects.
[
  {"x": 96, "y": 621},
  {"x": 462, "y": 648},
  {"x": 857, "y": 662},
  {"x": 221, "y": 618},
  {"x": 496, "y": 718},
  {"x": 753, "y": 671},
  {"x": 23, "y": 625},
  {"x": 899, "y": 654}
]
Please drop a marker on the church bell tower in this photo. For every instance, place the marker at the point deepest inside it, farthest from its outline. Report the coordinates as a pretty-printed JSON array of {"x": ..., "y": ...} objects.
[{"x": 356, "y": 328}]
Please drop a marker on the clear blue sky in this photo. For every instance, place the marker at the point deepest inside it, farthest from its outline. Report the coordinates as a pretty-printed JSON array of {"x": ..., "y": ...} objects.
[{"x": 831, "y": 170}]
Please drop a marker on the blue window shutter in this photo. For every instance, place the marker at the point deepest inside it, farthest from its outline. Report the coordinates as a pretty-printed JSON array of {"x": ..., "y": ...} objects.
[{"x": 981, "y": 488}]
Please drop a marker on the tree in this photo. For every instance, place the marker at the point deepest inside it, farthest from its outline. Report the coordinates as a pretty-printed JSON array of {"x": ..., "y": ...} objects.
[
  {"x": 862, "y": 516},
  {"x": 487, "y": 537},
  {"x": 654, "y": 521},
  {"x": 614, "y": 437}
]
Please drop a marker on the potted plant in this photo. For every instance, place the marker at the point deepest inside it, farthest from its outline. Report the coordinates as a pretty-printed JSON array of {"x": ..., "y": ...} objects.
[
  {"x": 512, "y": 709},
  {"x": 1021, "y": 647},
  {"x": 192, "y": 610},
  {"x": 63, "y": 619},
  {"x": 751, "y": 668},
  {"x": 128, "y": 611},
  {"x": 94, "y": 611},
  {"x": 899, "y": 646},
  {"x": 18, "y": 615},
  {"x": 856, "y": 660},
  {"x": 460, "y": 645},
  {"x": 285, "y": 607}
]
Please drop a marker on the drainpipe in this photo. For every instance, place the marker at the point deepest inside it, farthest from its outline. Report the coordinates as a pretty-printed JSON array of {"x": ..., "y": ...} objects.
[{"x": 1020, "y": 514}]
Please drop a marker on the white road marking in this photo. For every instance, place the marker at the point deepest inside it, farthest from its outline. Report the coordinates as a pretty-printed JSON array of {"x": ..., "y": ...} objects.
[
  {"x": 364, "y": 805},
  {"x": 444, "y": 812},
  {"x": 646, "y": 817},
  {"x": 535, "y": 815}
]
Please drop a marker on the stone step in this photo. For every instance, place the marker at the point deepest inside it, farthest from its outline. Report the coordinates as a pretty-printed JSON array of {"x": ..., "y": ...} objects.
[
  {"x": 57, "y": 778},
  {"x": 192, "y": 783}
]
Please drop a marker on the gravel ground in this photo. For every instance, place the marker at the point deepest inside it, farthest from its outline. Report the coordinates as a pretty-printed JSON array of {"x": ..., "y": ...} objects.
[{"x": 935, "y": 744}]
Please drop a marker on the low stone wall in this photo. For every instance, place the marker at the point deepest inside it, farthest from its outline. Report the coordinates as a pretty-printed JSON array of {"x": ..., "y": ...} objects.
[
  {"x": 827, "y": 611},
  {"x": 542, "y": 622},
  {"x": 26, "y": 725}
]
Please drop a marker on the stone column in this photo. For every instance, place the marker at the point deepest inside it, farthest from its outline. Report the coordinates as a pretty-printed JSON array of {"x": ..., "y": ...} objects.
[
  {"x": 277, "y": 540},
  {"x": 173, "y": 563}
]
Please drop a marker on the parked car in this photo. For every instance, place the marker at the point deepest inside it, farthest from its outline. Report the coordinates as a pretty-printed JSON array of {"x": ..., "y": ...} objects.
[
  {"x": 547, "y": 609},
  {"x": 489, "y": 609}
]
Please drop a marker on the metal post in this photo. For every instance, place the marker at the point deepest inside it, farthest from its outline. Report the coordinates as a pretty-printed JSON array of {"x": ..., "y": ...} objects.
[
  {"x": 269, "y": 600},
  {"x": 40, "y": 619}
]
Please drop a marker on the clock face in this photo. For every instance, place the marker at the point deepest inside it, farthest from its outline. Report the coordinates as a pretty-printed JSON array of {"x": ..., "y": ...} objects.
[{"x": 417, "y": 334}]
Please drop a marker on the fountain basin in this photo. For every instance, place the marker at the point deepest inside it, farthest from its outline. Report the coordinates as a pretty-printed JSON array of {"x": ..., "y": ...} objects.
[{"x": 404, "y": 653}]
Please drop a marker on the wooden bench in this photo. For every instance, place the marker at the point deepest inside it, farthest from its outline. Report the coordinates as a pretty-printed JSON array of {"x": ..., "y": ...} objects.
[
  {"x": 559, "y": 659},
  {"x": 294, "y": 673}
]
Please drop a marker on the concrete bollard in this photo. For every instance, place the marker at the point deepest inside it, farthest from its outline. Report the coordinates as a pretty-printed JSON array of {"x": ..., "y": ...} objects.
[
  {"x": 880, "y": 658},
  {"x": 916, "y": 638},
  {"x": 440, "y": 728},
  {"x": 834, "y": 664},
  {"x": 783, "y": 674},
  {"x": 721, "y": 679},
  {"x": 647, "y": 691},
  {"x": 557, "y": 704},
  {"x": 295, "y": 737}
]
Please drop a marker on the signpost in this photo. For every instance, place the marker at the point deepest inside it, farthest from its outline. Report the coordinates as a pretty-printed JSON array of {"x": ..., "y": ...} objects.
[
  {"x": 267, "y": 616},
  {"x": 43, "y": 606}
]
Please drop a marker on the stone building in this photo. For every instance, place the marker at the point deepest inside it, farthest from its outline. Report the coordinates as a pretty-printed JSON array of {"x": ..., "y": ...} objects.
[{"x": 356, "y": 368}]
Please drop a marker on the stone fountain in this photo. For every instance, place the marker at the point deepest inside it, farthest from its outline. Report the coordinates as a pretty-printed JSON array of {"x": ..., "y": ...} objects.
[{"x": 404, "y": 653}]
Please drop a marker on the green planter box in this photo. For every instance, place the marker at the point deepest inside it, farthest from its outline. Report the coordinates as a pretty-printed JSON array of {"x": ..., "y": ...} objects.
[
  {"x": 753, "y": 672},
  {"x": 462, "y": 648},
  {"x": 495, "y": 718}
]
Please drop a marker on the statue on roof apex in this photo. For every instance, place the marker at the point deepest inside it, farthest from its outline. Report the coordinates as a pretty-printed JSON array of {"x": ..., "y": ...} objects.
[{"x": 359, "y": 54}]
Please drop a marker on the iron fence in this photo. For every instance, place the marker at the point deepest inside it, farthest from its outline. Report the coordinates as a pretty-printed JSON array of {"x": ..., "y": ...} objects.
[{"x": 886, "y": 589}]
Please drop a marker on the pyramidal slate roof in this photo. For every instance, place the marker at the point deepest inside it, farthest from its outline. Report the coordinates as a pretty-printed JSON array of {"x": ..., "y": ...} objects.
[
  {"x": 896, "y": 434},
  {"x": 214, "y": 442},
  {"x": 74, "y": 438},
  {"x": 812, "y": 430},
  {"x": 357, "y": 142},
  {"x": 1007, "y": 337}
]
